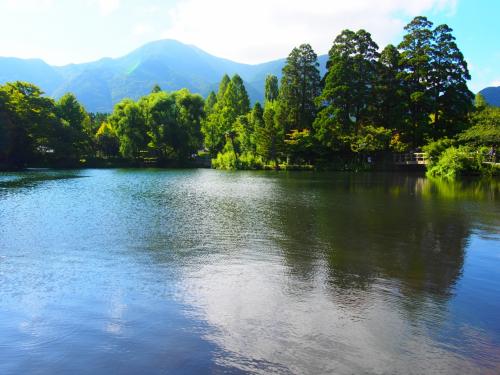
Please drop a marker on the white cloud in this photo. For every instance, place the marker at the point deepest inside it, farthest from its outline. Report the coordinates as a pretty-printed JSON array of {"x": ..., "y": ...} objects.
[
  {"x": 495, "y": 83},
  {"x": 106, "y": 7},
  {"x": 266, "y": 29},
  {"x": 141, "y": 29}
]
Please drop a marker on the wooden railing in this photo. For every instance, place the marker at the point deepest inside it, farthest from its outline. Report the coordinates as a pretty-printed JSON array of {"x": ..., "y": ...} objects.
[{"x": 410, "y": 158}]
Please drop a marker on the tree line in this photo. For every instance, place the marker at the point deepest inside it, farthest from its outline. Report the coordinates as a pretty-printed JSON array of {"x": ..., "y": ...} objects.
[
  {"x": 38, "y": 131},
  {"x": 368, "y": 103}
]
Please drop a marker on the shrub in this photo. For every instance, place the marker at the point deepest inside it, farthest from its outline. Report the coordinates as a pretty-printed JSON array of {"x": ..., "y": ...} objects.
[
  {"x": 436, "y": 148},
  {"x": 230, "y": 161},
  {"x": 459, "y": 161}
]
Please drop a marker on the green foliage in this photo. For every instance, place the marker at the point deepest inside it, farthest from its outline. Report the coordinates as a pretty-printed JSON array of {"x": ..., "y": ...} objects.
[
  {"x": 190, "y": 115},
  {"x": 300, "y": 146},
  {"x": 396, "y": 144},
  {"x": 449, "y": 73},
  {"x": 223, "y": 86},
  {"x": 271, "y": 90},
  {"x": 480, "y": 102},
  {"x": 415, "y": 62},
  {"x": 74, "y": 120},
  {"x": 434, "y": 149},
  {"x": 435, "y": 76},
  {"x": 156, "y": 88},
  {"x": 370, "y": 139},
  {"x": 107, "y": 141},
  {"x": 485, "y": 129},
  {"x": 231, "y": 102},
  {"x": 347, "y": 100},
  {"x": 229, "y": 161},
  {"x": 368, "y": 102},
  {"x": 130, "y": 125},
  {"x": 459, "y": 161},
  {"x": 34, "y": 129},
  {"x": 389, "y": 95},
  {"x": 270, "y": 136},
  {"x": 159, "y": 113},
  {"x": 163, "y": 125},
  {"x": 300, "y": 85}
]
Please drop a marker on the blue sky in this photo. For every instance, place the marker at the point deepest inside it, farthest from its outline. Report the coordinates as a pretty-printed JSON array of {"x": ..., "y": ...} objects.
[{"x": 62, "y": 31}]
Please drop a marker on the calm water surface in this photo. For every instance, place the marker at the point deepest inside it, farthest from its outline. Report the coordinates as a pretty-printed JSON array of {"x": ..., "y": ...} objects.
[{"x": 200, "y": 271}]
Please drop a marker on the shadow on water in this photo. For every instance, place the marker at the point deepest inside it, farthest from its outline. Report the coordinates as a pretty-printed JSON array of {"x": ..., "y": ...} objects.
[
  {"x": 31, "y": 179},
  {"x": 250, "y": 271},
  {"x": 370, "y": 226}
]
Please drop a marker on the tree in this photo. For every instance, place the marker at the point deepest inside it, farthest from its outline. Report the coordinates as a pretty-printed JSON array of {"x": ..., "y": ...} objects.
[
  {"x": 128, "y": 120},
  {"x": 485, "y": 126},
  {"x": 210, "y": 103},
  {"x": 269, "y": 138},
  {"x": 231, "y": 102},
  {"x": 236, "y": 97},
  {"x": 416, "y": 52},
  {"x": 391, "y": 106},
  {"x": 299, "y": 145},
  {"x": 347, "y": 102},
  {"x": 209, "y": 125},
  {"x": 480, "y": 102},
  {"x": 159, "y": 113},
  {"x": 223, "y": 86},
  {"x": 271, "y": 90},
  {"x": 300, "y": 85},
  {"x": 435, "y": 77},
  {"x": 173, "y": 123},
  {"x": 448, "y": 79},
  {"x": 107, "y": 142},
  {"x": 74, "y": 121},
  {"x": 189, "y": 116},
  {"x": 30, "y": 124},
  {"x": 11, "y": 135}
]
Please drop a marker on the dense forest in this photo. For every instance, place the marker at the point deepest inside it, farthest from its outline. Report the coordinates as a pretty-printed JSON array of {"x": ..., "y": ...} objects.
[{"x": 369, "y": 105}]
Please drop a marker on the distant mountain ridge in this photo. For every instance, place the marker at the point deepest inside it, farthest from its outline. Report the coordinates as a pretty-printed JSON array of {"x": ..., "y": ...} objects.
[
  {"x": 99, "y": 85},
  {"x": 491, "y": 95}
]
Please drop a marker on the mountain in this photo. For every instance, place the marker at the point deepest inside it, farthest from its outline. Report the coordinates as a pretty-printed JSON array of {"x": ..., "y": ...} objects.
[
  {"x": 30, "y": 70},
  {"x": 491, "y": 95},
  {"x": 173, "y": 65}
]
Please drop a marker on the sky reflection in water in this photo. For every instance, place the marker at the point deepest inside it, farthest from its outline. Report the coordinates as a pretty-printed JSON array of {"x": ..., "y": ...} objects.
[{"x": 203, "y": 271}]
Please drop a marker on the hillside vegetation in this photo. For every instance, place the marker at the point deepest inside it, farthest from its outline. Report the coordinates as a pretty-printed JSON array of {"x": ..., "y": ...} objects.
[{"x": 367, "y": 105}]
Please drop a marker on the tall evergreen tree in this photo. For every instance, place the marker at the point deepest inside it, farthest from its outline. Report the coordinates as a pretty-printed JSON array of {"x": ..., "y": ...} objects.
[
  {"x": 270, "y": 137},
  {"x": 208, "y": 124},
  {"x": 435, "y": 75},
  {"x": 212, "y": 126},
  {"x": 416, "y": 53},
  {"x": 448, "y": 79},
  {"x": 271, "y": 89},
  {"x": 236, "y": 97},
  {"x": 347, "y": 101},
  {"x": 223, "y": 86},
  {"x": 391, "y": 105},
  {"x": 300, "y": 85},
  {"x": 210, "y": 102}
]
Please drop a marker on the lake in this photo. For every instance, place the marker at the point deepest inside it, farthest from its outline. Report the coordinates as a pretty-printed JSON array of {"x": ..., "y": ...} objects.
[{"x": 204, "y": 271}]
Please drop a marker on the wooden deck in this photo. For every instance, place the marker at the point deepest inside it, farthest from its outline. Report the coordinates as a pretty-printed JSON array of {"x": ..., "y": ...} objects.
[{"x": 410, "y": 158}]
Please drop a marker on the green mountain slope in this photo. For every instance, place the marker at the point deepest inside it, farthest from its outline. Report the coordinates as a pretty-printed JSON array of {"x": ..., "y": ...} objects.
[
  {"x": 491, "y": 95},
  {"x": 171, "y": 64}
]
